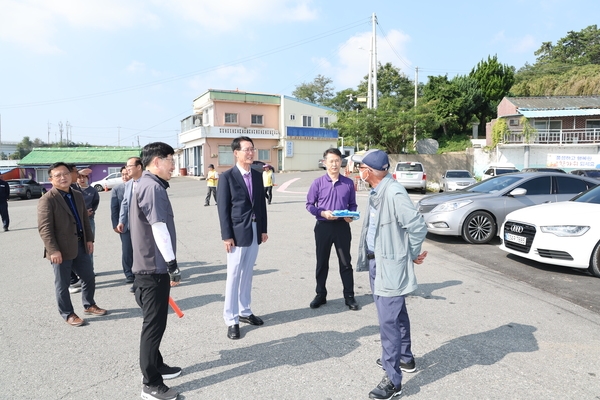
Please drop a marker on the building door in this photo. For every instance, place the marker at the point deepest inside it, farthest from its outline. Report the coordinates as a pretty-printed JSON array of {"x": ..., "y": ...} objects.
[{"x": 279, "y": 159}]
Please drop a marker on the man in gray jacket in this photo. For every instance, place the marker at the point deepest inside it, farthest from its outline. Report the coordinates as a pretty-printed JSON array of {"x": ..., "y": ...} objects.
[{"x": 390, "y": 244}]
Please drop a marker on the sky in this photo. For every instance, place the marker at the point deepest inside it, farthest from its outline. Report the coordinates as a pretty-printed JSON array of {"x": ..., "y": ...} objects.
[{"x": 125, "y": 72}]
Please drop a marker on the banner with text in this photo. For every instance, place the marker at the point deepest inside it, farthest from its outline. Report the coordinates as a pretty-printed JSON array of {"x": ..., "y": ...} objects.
[{"x": 573, "y": 160}]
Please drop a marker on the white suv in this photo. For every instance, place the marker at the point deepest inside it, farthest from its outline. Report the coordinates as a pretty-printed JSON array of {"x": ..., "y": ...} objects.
[
  {"x": 110, "y": 182},
  {"x": 411, "y": 175}
]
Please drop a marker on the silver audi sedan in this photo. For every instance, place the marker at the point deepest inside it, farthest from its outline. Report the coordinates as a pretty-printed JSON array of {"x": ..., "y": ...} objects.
[{"x": 476, "y": 212}]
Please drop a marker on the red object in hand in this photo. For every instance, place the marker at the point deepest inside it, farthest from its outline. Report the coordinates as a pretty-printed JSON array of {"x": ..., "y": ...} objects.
[{"x": 175, "y": 307}]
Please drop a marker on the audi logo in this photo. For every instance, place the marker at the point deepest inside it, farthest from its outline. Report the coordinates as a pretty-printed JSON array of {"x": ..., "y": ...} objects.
[{"x": 516, "y": 229}]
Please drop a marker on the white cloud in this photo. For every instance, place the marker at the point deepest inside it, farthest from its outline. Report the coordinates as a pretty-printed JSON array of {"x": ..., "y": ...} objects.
[
  {"x": 136, "y": 66},
  {"x": 354, "y": 56},
  {"x": 499, "y": 37},
  {"x": 226, "y": 77},
  {"x": 526, "y": 44},
  {"x": 35, "y": 23},
  {"x": 232, "y": 15}
]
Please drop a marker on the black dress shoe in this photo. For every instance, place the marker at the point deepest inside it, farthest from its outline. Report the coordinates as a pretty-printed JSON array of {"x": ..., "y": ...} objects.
[
  {"x": 252, "y": 320},
  {"x": 351, "y": 303},
  {"x": 233, "y": 332},
  {"x": 318, "y": 301}
]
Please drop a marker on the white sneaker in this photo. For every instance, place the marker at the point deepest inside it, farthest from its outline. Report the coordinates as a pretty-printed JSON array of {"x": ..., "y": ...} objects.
[{"x": 73, "y": 289}]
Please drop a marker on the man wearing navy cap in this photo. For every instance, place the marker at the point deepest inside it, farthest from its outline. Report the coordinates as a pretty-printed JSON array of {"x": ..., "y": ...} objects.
[{"x": 389, "y": 251}]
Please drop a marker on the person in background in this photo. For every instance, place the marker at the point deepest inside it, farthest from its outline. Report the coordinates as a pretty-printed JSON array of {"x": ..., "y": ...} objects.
[
  {"x": 152, "y": 227},
  {"x": 116, "y": 200},
  {"x": 329, "y": 193},
  {"x": 75, "y": 285},
  {"x": 390, "y": 244},
  {"x": 91, "y": 198},
  {"x": 268, "y": 182},
  {"x": 212, "y": 178},
  {"x": 64, "y": 227},
  {"x": 243, "y": 216},
  {"x": 134, "y": 172},
  {"x": 4, "y": 195}
]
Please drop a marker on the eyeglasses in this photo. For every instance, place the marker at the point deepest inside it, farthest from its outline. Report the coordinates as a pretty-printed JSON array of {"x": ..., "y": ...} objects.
[
  {"x": 171, "y": 160},
  {"x": 61, "y": 175},
  {"x": 248, "y": 150},
  {"x": 135, "y": 165}
]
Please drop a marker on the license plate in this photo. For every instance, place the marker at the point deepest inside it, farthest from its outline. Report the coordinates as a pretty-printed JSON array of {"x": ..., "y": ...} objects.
[
  {"x": 408, "y": 175},
  {"x": 509, "y": 237}
]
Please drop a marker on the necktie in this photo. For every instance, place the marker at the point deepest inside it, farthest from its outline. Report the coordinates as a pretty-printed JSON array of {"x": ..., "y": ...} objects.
[
  {"x": 248, "y": 179},
  {"x": 74, "y": 211}
]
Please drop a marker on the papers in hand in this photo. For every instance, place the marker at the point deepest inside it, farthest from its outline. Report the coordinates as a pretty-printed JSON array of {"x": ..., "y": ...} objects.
[{"x": 346, "y": 214}]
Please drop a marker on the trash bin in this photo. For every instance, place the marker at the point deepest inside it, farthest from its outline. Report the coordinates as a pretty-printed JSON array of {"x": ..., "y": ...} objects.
[{"x": 183, "y": 171}]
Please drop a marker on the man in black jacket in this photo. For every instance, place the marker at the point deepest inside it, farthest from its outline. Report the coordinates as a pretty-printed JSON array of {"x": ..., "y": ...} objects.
[{"x": 4, "y": 194}]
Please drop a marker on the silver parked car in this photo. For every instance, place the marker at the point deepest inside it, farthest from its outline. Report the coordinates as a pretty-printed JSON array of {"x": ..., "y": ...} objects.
[
  {"x": 25, "y": 188},
  {"x": 456, "y": 179},
  {"x": 109, "y": 182},
  {"x": 476, "y": 212},
  {"x": 411, "y": 175}
]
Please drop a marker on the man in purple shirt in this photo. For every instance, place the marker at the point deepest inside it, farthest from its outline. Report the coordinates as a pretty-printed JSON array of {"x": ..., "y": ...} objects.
[{"x": 329, "y": 193}]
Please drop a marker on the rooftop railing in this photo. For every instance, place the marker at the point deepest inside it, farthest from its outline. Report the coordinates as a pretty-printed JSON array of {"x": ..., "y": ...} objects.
[{"x": 554, "y": 136}]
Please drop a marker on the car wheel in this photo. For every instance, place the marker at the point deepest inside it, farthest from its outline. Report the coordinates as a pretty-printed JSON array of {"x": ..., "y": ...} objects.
[
  {"x": 479, "y": 228},
  {"x": 99, "y": 188},
  {"x": 423, "y": 191},
  {"x": 27, "y": 195},
  {"x": 595, "y": 262},
  {"x": 43, "y": 191}
]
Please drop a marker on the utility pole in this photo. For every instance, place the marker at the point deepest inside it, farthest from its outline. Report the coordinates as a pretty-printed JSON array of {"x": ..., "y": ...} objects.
[
  {"x": 48, "y": 132},
  {"x": 416, "y": 93},
  {"x": 372, "y": 79},
  {"x": 60, "y": 129},
  {"x": 69, "y": 133}
]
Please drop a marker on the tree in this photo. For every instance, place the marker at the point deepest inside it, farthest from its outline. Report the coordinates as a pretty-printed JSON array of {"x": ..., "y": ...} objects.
[
  {"x": 319, "y": 91},
  {"x": 577, "y": 48},
  {"x": 24, "y": 147},
  {"x": 391, "y": 83},
  {"x": 494, "y": 80}
]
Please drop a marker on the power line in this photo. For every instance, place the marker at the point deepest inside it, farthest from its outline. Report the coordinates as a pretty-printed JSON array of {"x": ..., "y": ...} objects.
[{"x": 186, "y": 75}]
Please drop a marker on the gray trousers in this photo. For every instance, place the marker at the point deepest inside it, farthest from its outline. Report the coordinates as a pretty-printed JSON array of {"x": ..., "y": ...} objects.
[
  {"x": 82, "y": 266},
  {"x": 127, "y": 253},
  {"x": 394, "y": 330}
]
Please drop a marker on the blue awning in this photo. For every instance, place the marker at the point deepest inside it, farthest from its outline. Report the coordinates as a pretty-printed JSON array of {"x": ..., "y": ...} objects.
[{"x": 560, "y": 113}]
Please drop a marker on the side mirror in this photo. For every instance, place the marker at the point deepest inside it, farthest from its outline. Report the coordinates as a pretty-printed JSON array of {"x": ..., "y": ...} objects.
[{"x": 518, "y": 192}]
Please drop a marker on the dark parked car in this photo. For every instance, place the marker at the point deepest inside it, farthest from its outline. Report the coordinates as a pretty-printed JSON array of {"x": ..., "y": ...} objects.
[
  {"x": 590, "y": 173},
  {"x": 258, "y": 166},
  {"x": 25, "y": 188},
  {"x": 562, "y": 171}
]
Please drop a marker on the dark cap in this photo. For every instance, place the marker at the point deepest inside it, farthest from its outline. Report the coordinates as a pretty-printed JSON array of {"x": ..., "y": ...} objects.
[{"x": 374, "y": 158}]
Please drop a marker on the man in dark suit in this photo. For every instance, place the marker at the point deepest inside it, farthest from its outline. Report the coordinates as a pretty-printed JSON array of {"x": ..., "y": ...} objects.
[
  {"x": 64, "y": 227},
  {"x": 243, "y": 215}
]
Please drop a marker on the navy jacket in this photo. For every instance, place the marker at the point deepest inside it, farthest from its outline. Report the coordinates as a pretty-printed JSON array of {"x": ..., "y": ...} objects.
[{"x": 236, "y": 209}]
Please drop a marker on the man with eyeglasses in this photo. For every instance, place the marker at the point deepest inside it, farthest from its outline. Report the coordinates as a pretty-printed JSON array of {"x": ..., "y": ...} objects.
[
  {"x": 64, "y": 227},
  {"x": 329, "y": 193},
  {"x": 242, "y": 212},
  {"x": 154, "y": 241},
  {"x": 116, "y": 200}
]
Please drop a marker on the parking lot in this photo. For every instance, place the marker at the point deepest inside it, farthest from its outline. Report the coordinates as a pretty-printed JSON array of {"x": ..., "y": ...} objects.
[{"x": 478, "y": 332}]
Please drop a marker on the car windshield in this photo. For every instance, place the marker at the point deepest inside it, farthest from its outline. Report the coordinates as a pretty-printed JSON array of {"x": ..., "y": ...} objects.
[
  {"x": 409, "y": 167},
  {"x": 500, "y": 171},
  {"x": 592, "y": 174},
  {"x": 458, "y": 174},
  {"x": 590, "y": 196},
  {"x": 494, "y": 184}
]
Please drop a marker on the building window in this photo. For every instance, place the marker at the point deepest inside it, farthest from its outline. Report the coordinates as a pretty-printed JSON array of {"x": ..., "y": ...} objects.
[
  {"x": 306, "y": 120},
  {"x": 41, "y": 175},
  {"x": 592, "y": 124},
  {"x": 513, "y": 122},
  {"x": 264, "y": 155},
  {"x": 323, "y": 121},
  {"x": 225, "y": 155},
  {"x": 231, "y": 118},
  {"x": 257, "y": 119},
  {"x": 292, "y": 117},
  {"x": 114, "y": 170}
]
